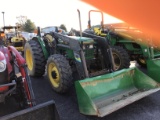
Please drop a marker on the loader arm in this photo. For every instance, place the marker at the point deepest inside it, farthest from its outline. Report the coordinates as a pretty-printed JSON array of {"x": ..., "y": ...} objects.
[
  {"x": 105, "y": 48},
  {"x": 26, "y": 80}
]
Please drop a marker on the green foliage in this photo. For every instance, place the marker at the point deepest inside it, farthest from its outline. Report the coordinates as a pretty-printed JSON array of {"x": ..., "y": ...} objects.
[
  {"x": 62, "y": 26},
  {"x": 29, "y": 26}
]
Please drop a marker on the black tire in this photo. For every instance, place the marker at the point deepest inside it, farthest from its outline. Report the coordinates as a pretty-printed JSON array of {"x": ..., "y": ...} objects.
[
  {"x": 64, "y": 73},
  {"x": 121, "y": 58},
  {"x": 38, "y": 58}
]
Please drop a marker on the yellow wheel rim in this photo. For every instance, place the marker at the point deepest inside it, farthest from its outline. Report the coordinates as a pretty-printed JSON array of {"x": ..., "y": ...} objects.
[
  {"x": 53, "y": 75},
  {"x": 142, "y": 60},
  {"x": 29, "y": 59},
  {"x": 117, "y": 61}
]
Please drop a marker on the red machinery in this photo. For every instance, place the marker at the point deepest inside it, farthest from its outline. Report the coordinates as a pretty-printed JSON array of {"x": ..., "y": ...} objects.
[
  {"x": 14, "y": 81},
  {"x": 17, "y": 85}
]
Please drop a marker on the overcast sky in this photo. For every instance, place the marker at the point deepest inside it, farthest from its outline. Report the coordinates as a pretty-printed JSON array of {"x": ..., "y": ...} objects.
[{"x": 50, "y": 12}]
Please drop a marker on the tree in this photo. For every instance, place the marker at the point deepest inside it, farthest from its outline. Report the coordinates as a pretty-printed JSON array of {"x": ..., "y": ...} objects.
[
  {"x": 62, "y": 26},
  {"x": 21, "y": 19},
  {"x": 29, "y": 26}
]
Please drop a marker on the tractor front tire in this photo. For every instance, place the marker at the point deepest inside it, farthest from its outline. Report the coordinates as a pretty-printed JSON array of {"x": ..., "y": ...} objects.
[
  {"x": 59, "y": 73},
  {"x": 35, "y": 58},
  {"x": 121, "y": 58}
]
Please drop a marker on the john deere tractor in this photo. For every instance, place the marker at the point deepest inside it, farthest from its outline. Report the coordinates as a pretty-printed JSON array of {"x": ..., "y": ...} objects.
[
  {"x": 120, "y": 55},
  {"x": 101, "y": 88},
  {"x": 132, "y": 40}
]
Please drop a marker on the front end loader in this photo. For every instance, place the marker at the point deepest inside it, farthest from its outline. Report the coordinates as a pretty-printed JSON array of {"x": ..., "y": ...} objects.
[
  {"x": 15, "y": 82},
  {"x": 100, "y": 88},
  {"x": 43, "y": 111}
]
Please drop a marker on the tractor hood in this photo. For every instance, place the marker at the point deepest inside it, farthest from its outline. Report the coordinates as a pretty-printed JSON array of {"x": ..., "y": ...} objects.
[{"x": 85, "y": 40}]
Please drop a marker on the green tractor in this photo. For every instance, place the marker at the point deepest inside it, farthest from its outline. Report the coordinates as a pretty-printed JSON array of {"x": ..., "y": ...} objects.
[
  {"x": 131, "y": 39},
  {"x": 100, "y": 88},
  {"x": 120, "y": 55}
]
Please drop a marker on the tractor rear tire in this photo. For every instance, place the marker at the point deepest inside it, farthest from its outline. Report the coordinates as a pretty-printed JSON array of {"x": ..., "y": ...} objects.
[
  {"x": 121, "y": 58},
  {"x": 59, "y": 73},
  {"x": 35, "y": 58}
]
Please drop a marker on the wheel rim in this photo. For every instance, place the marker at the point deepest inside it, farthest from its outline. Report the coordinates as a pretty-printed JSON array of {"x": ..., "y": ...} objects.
[
  {"x": 53, "y": 75},
  {"x": 142, "y": 60},
  {"x": 29, "y": 59},
  {"x": 117, "y": 61}
]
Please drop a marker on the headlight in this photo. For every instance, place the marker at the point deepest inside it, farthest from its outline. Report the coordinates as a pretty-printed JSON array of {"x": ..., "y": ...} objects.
[{"x": 2, "y": 66}]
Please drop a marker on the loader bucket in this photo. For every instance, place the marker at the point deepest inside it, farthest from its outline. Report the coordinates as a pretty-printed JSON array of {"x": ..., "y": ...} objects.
[
  {"x": 153, "y": 68},
  {"x": 107, "y": 93},
  {"x": 44, "y": 111}
]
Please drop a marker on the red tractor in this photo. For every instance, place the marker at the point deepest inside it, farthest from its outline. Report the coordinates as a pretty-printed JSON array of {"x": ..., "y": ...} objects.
[{"x": 14, "y": 79}]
